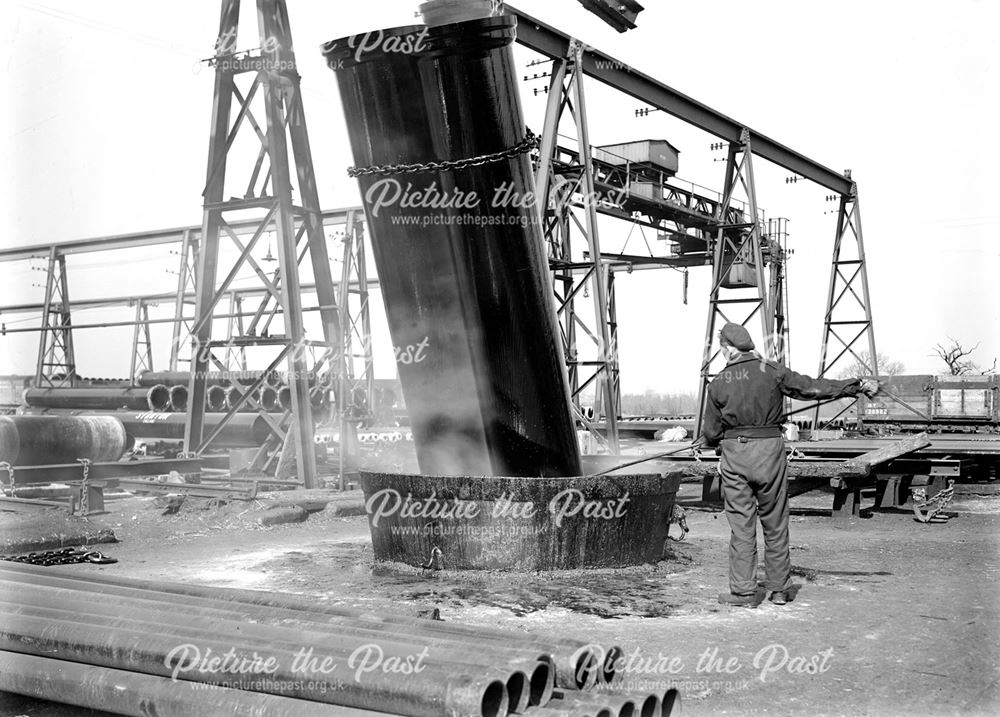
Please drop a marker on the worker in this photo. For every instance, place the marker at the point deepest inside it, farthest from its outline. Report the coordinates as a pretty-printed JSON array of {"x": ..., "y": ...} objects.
[{"x": 742, "y": 419}]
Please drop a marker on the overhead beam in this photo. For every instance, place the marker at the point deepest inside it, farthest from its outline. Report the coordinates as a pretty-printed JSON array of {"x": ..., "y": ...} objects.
[
  {"x": 547, "y": 40},
  {"x": 119, "y": 301},
  {"x": 141, "y": 239}
]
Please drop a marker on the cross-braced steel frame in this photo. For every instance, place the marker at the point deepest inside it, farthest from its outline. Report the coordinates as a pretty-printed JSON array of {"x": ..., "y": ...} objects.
[
  {"x": 848, "y": 282},
  {"x": 56, "y": 363},
  {"x": 185, "y": 287},
  {"x": 142, "y": 345},
  {"x": 560, "y": 187},
  {"x": 356, "y": 379},
  {"x": 739, "y": 290},
  {"x": 848, "y": 317},
  {"x": 555, "y": 44},
  {"x": 297, "y": 228}
]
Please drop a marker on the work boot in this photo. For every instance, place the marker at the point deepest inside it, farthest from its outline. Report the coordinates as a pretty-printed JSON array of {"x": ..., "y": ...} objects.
[
  {"x": 779, "y": 597},
  {"x": 742, "y": 600}
]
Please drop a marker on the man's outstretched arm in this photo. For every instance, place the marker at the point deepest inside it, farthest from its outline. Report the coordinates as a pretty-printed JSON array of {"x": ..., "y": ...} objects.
[{"x": 806, "y": 388}]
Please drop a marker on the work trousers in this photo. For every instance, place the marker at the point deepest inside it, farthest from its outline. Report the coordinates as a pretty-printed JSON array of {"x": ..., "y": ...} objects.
[{"x": 754, "y": 485}]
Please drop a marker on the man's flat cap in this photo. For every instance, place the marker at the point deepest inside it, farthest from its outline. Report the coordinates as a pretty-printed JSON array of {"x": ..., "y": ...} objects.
[{"x": 736, "y": 336}]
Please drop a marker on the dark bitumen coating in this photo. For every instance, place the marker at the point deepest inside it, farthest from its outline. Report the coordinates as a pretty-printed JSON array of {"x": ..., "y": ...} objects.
[
  {"x": 505, "y": 523},
  {"x": 468, "y": 305}
]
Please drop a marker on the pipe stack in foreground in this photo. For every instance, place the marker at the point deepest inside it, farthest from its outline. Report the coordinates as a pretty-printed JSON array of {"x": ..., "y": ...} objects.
[{"x": 147, "y": 647}]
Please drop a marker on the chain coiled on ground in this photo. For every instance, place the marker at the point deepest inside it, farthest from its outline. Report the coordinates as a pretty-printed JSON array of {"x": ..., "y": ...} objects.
[{"x": 63, "y": 556}]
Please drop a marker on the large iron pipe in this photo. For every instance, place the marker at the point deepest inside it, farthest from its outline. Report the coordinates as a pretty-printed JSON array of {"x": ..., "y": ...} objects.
[
  {"x": 41, "y": 440},
  {"x": 242, "y": 430},
  {"x": 267, "y": 396},
  {"x": 609, "y": 671},
  {"x": 623, "y": 705},
  {"x": 575, "y": 711},
  {"x": 233, "y": 394},
  {"x": 178, "y": 398},
  {"x": 215, "y": 398},
  {"x": 670, "y": 703},
  {"x": 517, "y": 692},
  {"x": 584, "y": 658},
  {"x": 276, "y": 629},
  {"x": 576, "y": 662},
  {"x": 154, "y": 398},
  {"x": 209, "y": 595},
  {"x": 191, "y": 621},
  {"x": 141, "y": 695},
  {"x": 444, "y": 12},
  {"x": 318, "y": 398},
  {"x": 215, "y": 378},
  {"x": 433, "y": 694},
  {"x": 437, "y": 664},
  {"x": 461, "y": 257},
  {"x": 573, "y": 656}
]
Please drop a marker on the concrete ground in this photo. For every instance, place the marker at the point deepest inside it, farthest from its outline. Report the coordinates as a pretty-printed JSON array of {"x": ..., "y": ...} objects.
[{"x": 892, "y": 617}]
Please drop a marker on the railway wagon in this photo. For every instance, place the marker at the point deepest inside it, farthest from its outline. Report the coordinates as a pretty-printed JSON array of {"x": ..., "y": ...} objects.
[{"x": 926, "y": 402}]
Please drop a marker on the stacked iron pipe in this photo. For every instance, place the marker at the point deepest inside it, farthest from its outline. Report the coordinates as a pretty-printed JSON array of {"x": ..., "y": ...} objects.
[
  {"x": 246, "y": 430},
  {"x": 141, "y": 398},
  {"x": 225, "y": 389},
  {"x": 167, "y": 392},
  {"x": 76, "y": 638}
]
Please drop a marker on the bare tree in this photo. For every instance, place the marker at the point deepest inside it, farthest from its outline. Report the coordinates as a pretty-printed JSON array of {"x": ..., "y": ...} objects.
[
  {"x": 862, "y": 364},
  {"x": 956, "y": 358}
]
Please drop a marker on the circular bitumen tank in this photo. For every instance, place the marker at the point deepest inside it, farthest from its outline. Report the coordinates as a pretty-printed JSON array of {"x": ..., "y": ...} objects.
[{"x": 504, "y": 523}]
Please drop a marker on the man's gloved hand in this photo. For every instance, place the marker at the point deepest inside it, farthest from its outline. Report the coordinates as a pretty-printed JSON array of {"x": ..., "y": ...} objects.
[{"x": 869, "y": 387}]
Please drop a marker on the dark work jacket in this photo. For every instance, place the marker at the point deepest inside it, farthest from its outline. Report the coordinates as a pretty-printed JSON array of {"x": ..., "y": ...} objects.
[{"x": 750, "y": 392}]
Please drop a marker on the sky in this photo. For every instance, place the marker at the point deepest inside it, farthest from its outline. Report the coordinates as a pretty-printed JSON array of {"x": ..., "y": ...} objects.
[{"x": 106, "y": 132}]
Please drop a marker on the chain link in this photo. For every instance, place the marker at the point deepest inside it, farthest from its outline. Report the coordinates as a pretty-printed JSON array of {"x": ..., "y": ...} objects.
[
  {"x": 527, "y": 144},
  {"x": 927, "y": 509},
  {"x": 84, "y": 492},
  {"x": 795, "y": 455},
  {"x": 12, "y": 488},
  {"x": 678, "y": 516},
  {"x": 63, "y": 556}
]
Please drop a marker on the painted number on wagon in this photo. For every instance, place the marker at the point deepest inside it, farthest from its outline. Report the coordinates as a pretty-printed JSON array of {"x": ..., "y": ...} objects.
[{"x": 413, "y": 353}]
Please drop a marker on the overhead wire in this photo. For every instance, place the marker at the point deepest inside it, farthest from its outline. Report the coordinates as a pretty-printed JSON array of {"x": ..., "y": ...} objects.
[{"x": 148, "y": 40}]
